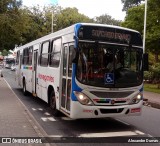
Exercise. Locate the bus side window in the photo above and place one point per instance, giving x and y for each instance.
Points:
(44, 54)
(39, 54)
(55, 53)
(30, 55)
(25, 56)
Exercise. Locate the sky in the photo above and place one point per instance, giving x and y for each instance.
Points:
(90, 8)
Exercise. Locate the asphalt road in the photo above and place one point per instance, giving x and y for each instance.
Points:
(146, 125)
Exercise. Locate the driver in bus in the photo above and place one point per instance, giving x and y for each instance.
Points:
(118, 64)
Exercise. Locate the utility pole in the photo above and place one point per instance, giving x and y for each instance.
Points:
(145, 22)
(52, 23)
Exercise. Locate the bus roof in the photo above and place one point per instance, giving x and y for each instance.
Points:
(72, 29)
(106, 25)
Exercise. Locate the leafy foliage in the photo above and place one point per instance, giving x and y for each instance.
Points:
(4, 52)
(153, 28)
(9, 16)
(20, 25)
(107, 19)
(130, 3)
(135, 18)
(69, 16)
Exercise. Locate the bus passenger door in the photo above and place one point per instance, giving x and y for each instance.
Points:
(34, 72)
(66, 80)
(19, 71)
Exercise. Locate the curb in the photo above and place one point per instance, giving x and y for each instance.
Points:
(154, 104)
(36, 126)
(151, 104)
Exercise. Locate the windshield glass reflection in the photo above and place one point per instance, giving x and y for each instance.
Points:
(109, 65)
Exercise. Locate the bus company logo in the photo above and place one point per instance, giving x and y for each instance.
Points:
(46, 78)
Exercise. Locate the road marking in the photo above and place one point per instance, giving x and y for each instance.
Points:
(47, 114)
(40, 109)
(67, 119)
(150, 135)
(34, 109)
(110, 134)
(46, 119)
(52, 119)
(55, 136)
(139, 132)
(122, 122)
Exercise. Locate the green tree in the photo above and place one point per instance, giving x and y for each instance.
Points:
(69, 16)
(107, 19)
(9, 17)
(33, 24)
(4, 52)
(130, 3)
(153, 28)
(9, 5)
(135, 18)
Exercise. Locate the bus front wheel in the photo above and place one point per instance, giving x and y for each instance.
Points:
(52, 98)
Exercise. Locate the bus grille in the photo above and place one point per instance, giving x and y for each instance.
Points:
(112, 94)
(111, 111)
(109, 102)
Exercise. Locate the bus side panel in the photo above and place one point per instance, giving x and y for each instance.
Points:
(42, 81)
(27, 72)
(38, 87)
(18, 70)
(54, 74)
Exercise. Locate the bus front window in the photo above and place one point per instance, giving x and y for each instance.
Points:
(100, 62)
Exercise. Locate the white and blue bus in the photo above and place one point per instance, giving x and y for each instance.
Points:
(85, 71)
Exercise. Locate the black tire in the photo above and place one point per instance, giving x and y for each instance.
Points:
(24, 88)
(52, 103)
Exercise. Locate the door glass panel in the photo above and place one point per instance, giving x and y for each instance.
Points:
(63, 92)
(68, 56)
(72, 54)
(68, 94)
(64, 61)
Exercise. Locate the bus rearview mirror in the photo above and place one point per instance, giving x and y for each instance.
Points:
(145, 62)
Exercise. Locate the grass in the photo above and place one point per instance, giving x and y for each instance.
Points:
(151, 88)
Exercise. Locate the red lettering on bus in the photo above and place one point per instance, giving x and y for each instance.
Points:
(46, 78)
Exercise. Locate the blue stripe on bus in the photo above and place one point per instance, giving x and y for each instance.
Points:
(75, 87)
(141, 90)
(76, 29)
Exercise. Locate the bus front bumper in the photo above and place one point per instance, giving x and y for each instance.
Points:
(82, 111)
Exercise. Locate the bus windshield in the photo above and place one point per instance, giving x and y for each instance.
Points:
(106, 65)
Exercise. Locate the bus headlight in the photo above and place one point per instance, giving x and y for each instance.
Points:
(82, 98)
(136, 99)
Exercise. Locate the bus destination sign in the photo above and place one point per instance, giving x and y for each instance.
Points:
(111, 35)
(108, 34)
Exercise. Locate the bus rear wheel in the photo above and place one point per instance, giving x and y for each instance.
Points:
(52, 102)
